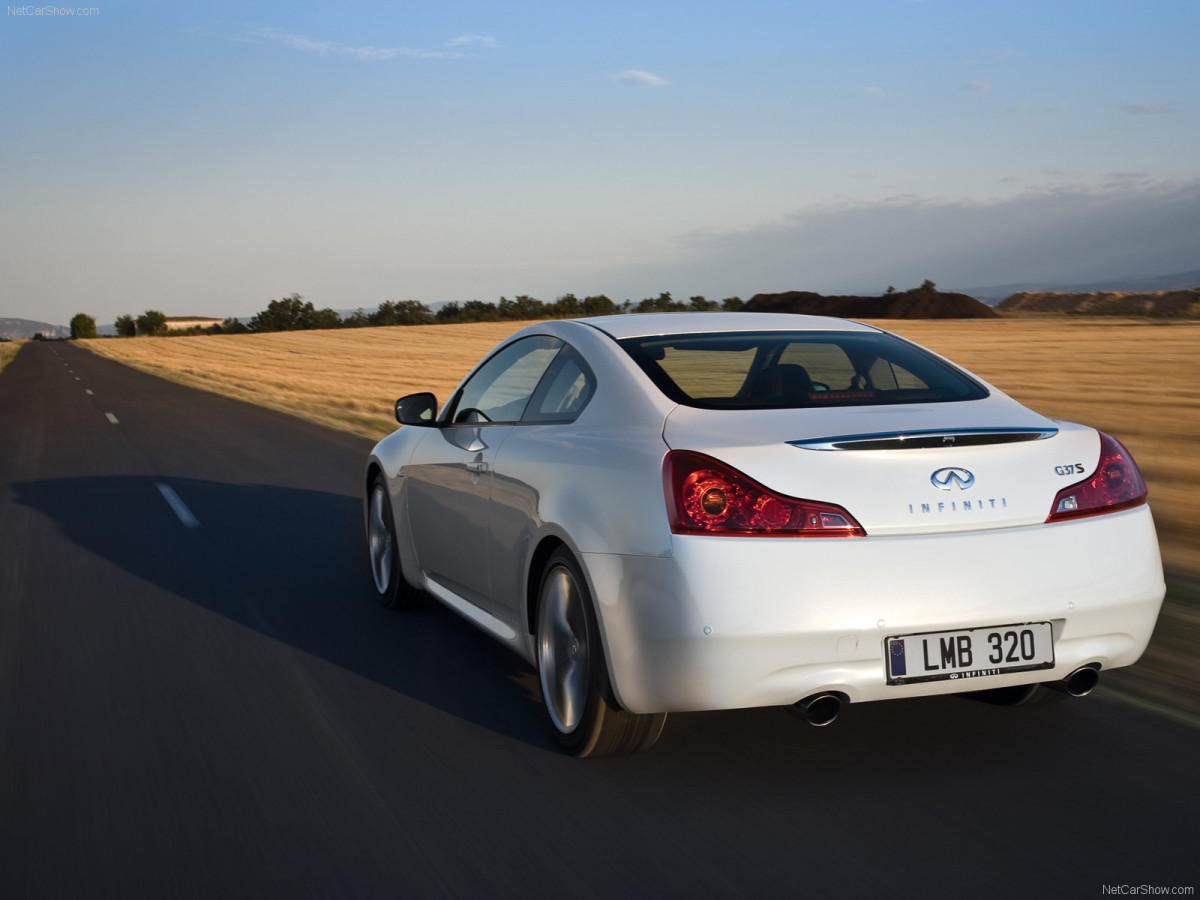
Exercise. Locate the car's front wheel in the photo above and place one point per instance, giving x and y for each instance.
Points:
(574, 678)
(390, 587)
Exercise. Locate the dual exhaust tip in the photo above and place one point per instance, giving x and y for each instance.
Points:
(822, 709)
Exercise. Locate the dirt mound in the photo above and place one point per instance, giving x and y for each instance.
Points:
(1171, 304)
(915, 304)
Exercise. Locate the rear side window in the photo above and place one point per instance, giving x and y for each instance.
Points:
(784, 370)
(565, 390)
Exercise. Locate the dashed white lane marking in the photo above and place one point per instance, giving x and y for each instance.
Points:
(89, 392)
(178, 506)
(111, 418)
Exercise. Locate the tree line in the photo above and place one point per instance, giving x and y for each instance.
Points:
(294, 313)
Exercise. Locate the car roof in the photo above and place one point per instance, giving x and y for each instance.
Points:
(648, 324)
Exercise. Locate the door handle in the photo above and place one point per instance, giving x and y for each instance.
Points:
(477, 466)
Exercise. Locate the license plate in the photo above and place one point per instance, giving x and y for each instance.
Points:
(969, 653)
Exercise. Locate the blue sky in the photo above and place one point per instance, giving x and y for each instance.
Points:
(202, 159)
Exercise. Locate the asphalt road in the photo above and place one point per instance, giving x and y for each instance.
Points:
(215, 706)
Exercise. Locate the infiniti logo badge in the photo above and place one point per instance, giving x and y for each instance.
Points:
(951, 477)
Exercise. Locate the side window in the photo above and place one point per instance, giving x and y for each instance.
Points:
(564, 391)
(500, 390)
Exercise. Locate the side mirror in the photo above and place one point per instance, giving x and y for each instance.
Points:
(417, 409)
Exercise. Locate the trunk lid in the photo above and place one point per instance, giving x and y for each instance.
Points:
(912, 469)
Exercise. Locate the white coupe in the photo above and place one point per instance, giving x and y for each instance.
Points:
(697, 511)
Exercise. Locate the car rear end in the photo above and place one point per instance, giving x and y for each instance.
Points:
(839, 538)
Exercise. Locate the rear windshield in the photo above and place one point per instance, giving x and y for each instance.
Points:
(783, 370)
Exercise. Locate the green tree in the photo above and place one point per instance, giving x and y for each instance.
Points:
(151, 322)
(82, 326)
(404, 312)
(233, 325)
(126, 326)
(699, 304)
(449, 312)
(414, 312)
(661, 303)
(522, 307)
(565, 307)
(326, 318)
(479, 311)
(293, 313)
(927, 287)
(385, 315)
(598, 305)
(732, 304)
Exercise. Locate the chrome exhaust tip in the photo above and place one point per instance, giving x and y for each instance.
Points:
(819, 709)
(1079, 683)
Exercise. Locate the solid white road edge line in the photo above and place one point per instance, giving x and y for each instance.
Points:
(178, 506)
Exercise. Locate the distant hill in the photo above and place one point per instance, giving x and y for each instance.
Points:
(1179, 282)
(16, 329)
(1167, 304)
(918, 303)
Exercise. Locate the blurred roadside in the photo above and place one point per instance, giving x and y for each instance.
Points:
(1167, 677)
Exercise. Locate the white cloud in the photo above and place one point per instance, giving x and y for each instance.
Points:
(874, 91)
(978, 87)
(485, 40)
(1148, 109)
(638, 78)
(332, 48)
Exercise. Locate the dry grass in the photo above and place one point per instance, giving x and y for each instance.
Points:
(346, 379)
(8, 349)
(1137, 379)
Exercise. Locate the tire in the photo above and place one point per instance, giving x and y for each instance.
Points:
(391, 589)
(574, 677)
(1017, 695)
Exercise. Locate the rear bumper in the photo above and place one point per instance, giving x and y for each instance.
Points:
(737, 622)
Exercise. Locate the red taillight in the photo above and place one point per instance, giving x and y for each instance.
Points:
(1116, 484)
(705, 496)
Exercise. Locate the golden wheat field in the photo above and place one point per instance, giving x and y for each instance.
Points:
(1136, 379)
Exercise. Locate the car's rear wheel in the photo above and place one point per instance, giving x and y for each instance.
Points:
(574, 678)
(390, 587)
